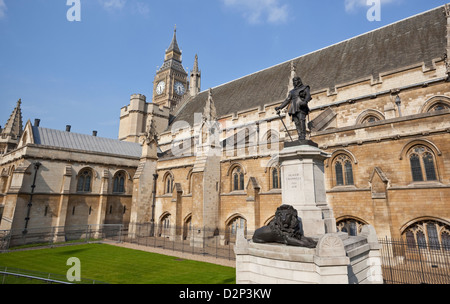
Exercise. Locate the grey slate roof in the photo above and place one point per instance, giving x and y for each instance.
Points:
(82, 142)
(172, 64)
(413, 41)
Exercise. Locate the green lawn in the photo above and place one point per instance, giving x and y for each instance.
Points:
(118, 265)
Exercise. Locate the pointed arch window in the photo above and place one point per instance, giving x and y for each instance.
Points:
(168, 184)
(84, 181)
(370, 119)
(271, 139)
(119, 183)
(351, 226)
(238, 179)
(343, 170)
(439, 106)
(428, 234)
(370, 116)
(348, 172)
(422, 163)
(276, 178)
(190, 182)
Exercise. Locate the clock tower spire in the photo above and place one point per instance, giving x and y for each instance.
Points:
(171, 79)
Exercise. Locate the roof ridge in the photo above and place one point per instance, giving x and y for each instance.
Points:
(82, 134)
(330, 46)
(340, 64)
(84, 142)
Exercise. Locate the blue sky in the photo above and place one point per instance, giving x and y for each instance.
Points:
(82, 73)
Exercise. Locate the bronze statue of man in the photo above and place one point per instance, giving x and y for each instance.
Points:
(298, 99)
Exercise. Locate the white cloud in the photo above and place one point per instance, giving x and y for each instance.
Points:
(134, 6)
(3, 9)
(113, 4)
(142, 8)
(353, 5)
(257, 11)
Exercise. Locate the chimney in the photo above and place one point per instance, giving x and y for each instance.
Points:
(37, 122)
(68, 128)
(94, 133)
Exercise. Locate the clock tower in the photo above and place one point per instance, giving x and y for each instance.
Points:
(171, 80)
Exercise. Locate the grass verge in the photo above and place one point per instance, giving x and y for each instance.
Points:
(116, 265)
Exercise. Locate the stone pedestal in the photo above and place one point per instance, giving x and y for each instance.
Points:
(337, 259)
(303, 186)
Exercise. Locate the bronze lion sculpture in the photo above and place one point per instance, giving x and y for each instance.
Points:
(285, 228)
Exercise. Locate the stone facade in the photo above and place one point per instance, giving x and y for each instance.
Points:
(60, 197)
(380, 109)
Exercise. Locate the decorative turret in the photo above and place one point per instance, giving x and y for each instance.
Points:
(210, 112)
(210, 126)
(10, 134)
(195, 83)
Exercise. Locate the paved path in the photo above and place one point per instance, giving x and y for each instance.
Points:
(183, 255)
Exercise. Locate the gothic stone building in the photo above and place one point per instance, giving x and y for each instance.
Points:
(380, 108)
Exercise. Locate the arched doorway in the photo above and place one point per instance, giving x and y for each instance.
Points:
(187, 227)
(164, 225)
(236, 223)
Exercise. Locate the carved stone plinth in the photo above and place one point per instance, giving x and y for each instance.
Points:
(303, 187)
(337, 259)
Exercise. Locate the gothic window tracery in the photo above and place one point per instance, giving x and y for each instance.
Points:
(370, 119)
(436, 104)
(238, 179)
(343, 170)
(351, 226)
(276, 177)
(84, 181)
(430, 234)
(369, 116)
(440, 106)
(422, 161)
(119, 183)
(168, 184)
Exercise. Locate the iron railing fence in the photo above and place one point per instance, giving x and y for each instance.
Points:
(16, 239)
(402, 262)
(10, 275)
(407, 263)
(201, 241)
(194, 240)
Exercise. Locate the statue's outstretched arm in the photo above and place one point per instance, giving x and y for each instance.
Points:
(285, 103)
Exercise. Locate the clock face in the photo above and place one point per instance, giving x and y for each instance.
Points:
(160, 87)
(179, 88)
